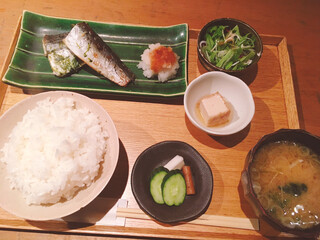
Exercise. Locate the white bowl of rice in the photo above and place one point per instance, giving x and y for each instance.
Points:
(58, 151)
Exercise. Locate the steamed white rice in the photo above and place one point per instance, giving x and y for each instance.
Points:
(167, 72)
(54, 151)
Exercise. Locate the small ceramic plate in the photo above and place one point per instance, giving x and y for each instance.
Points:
(158, 155)
(29, 68)
(236, 93)
(13, 201)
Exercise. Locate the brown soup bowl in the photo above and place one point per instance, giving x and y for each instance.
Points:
(291, 135)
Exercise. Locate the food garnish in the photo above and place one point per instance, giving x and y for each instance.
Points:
(226, 48)
(160, 61)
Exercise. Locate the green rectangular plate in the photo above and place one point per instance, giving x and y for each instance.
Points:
(30, 69)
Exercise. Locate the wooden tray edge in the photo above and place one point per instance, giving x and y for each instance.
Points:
(6, 63)
(288, 87)
(135, 232)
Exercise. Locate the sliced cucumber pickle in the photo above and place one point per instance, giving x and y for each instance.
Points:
(174, 188)
(157, 176)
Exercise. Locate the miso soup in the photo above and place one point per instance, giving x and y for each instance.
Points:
(286, 180)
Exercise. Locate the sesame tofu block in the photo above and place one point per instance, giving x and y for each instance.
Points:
(214, 110)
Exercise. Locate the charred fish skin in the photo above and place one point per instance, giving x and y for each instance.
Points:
(62, 61)
(90, 48)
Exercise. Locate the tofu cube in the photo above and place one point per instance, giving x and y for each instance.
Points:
(214, 110)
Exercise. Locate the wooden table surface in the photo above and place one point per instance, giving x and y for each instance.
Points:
(298, 21)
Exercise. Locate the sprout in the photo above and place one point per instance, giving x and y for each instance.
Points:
(227, 49)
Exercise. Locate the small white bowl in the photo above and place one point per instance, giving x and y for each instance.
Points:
(233, 89)
(12, 200)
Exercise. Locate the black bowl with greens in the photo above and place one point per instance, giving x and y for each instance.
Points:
(229, 45)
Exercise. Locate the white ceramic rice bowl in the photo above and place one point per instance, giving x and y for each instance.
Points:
(13, 201)
(233, 89)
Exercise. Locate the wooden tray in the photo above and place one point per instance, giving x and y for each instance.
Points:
(143, 123)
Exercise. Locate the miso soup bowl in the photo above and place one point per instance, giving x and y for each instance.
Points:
(294, 135)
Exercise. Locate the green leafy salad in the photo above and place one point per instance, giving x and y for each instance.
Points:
(227, 49)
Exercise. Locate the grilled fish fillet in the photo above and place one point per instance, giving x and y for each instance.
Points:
(89, 47)
(62, 61)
